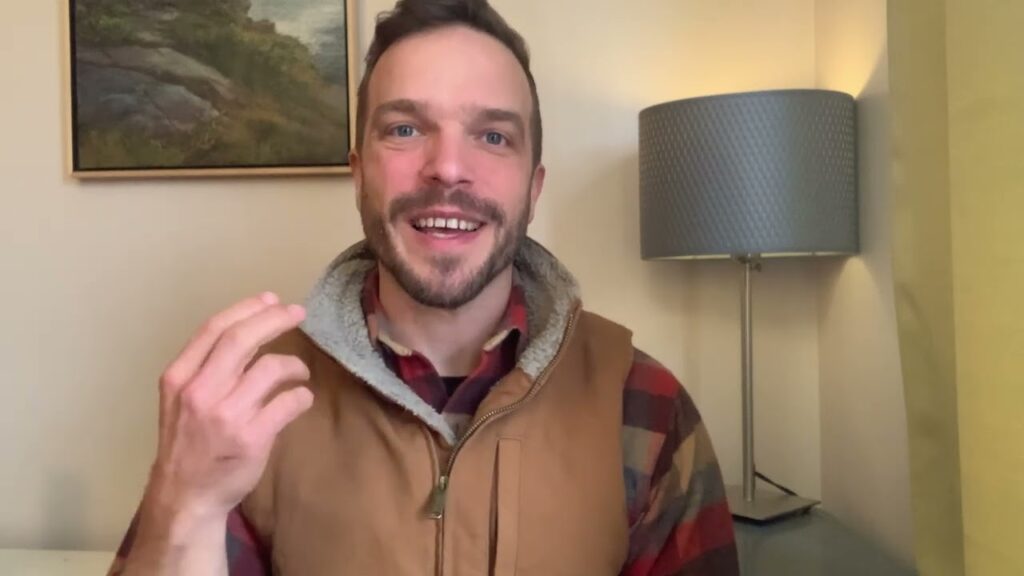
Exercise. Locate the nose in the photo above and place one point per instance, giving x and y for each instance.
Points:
(447, 161)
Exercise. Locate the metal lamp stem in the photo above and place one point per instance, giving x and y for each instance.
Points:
(744, 501)
(750, 265)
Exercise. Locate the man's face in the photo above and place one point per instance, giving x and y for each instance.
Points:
(444, 178)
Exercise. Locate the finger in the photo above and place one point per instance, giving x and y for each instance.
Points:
(239, 344)
(268, 373)
(191, 358)
(281, 411)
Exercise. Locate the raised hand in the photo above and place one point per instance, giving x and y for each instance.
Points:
(219, 415)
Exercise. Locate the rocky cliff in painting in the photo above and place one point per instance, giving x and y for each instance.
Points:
(199, 83)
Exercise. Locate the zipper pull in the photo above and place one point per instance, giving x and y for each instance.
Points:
(438, 498)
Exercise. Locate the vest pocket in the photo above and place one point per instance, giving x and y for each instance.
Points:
(507, 509)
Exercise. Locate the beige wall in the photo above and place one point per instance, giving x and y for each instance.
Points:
(104, 281)
(865, 462)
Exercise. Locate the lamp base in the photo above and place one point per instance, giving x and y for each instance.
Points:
(766, 506)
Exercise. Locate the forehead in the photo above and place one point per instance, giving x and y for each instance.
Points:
(451, 69)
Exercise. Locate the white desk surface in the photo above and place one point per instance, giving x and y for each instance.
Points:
(54, 563)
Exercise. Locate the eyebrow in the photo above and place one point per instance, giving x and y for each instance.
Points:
(399, 106)
(480, 114)
(500, 115)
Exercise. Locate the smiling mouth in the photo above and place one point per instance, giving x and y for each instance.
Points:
(445, 226)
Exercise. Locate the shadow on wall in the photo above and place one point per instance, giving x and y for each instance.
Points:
(865, 458)
(873, 185)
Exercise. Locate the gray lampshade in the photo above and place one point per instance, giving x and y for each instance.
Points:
(771, 173)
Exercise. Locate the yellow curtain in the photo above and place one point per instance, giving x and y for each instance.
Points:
(957, 81)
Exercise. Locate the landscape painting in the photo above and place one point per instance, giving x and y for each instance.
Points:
(200, 87)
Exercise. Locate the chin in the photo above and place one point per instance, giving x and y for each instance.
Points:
(447, 290)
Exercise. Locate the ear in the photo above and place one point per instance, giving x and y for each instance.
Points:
(357, 177)
(536, 187)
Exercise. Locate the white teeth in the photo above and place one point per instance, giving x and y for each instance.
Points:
(446, 224)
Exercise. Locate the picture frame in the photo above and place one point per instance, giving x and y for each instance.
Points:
(204, 88)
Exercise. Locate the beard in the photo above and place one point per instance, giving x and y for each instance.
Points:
(449, 285)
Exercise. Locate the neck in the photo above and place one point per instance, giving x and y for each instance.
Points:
(451, 339)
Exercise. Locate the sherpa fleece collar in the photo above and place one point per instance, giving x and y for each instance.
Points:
(334, 320)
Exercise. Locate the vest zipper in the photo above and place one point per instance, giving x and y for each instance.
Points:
(439, 496)
(436, 501)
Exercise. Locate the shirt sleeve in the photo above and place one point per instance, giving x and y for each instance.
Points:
(680, 524)
(247, 556)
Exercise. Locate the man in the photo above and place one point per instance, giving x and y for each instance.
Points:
(442, 405)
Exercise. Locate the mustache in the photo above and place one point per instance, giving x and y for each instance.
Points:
(432, 196)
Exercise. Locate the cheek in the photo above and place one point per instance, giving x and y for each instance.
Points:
(391, 175)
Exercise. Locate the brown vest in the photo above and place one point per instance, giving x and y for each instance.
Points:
(535, 489)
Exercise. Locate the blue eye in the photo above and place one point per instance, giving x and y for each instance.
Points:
(494, 138)
(404, 131)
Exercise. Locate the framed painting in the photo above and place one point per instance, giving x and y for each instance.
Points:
(209, 87)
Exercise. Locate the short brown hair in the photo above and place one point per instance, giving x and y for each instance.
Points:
(411, 17)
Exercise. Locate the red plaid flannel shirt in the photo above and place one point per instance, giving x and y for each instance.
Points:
(676, 529)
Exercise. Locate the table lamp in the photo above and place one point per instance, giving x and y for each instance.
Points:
(750, 176)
